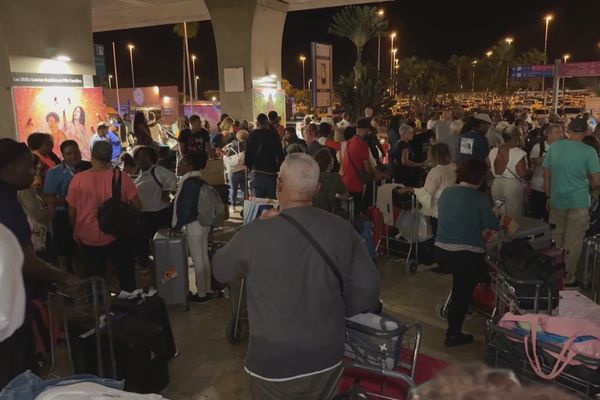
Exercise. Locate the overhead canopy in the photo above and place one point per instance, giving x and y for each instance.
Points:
(110, 15)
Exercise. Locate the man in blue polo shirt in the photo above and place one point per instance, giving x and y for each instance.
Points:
(55, 190)
(106, 133)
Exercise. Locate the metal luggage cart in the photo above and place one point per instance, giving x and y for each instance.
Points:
(502, 357)
(376, 361)
(237, 328)
(507, 300)
(505, 297)
(89, 300)
(412, 251)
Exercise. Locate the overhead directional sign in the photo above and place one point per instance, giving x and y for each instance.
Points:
(532, 71)
(591, 68)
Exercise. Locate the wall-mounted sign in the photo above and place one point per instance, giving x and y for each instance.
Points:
(40, 80)
(321, 74)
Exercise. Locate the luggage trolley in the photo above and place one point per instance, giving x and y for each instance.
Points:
(91, 304)
(408, 246)
(237, 327)
(506, 351)
(383, 347)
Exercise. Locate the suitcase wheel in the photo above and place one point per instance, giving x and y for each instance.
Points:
(411, 266)
(235, 334)
(441, 311)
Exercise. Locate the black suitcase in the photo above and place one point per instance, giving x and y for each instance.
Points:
(139, 349)
(151, 309)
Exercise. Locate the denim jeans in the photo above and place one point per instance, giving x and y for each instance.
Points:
(265, 185)
(28, 385)
(237, 181)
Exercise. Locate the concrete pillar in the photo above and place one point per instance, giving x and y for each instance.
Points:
(248, 34)
(32, 33)
(7, 118)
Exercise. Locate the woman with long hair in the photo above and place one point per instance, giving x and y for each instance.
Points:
(141, 130)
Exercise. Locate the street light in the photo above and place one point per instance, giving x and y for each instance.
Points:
(489, 53)
(392, 36)
(131, 47)
(109, 81)
(547, 18)
(509, 41)
(565, 59)
(302, 59)
(196, 80)
(474, 63)
(380, 14)
(195, 93)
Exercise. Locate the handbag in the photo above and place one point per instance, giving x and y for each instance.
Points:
(115, 217)
(234, 162)
(363, 175)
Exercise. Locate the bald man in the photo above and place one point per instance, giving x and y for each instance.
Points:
(297, 297)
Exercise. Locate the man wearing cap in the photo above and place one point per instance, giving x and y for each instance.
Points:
(570, 167)
(474, 144)
(356, 164)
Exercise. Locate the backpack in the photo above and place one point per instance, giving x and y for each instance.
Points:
(211, 210)
(115, 217)
(534, 137)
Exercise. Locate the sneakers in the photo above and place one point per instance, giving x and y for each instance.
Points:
(194, 298)
(458, 340)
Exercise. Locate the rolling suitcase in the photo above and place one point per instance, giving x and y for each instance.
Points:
(171, 261)
(591, 259)
(152, 309)
(537, 232)
(215, 285)
(139, 347)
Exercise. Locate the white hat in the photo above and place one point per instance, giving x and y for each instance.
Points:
(483, 117)
(327, 120)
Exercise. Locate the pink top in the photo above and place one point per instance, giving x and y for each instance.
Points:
(87, 191)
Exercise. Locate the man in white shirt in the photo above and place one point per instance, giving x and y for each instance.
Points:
(537, 201)
(346, 121)
(14, 335)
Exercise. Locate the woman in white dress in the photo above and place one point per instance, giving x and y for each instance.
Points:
(508, 164)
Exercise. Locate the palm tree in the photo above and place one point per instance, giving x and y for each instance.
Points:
(192, 32)
(359, 24)
(531, 57)
(459, 64)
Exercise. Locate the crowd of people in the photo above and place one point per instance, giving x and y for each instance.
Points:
(300, 291)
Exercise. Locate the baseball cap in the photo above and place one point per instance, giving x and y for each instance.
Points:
(483, 117)
(364, 123)
(578, 125)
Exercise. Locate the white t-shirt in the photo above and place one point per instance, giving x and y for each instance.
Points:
(514, 156)
(150, 192)
(537, 179)
(12, 290)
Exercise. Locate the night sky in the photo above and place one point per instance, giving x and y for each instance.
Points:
(426, 29)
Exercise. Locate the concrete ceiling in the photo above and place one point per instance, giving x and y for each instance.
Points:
(110, 15)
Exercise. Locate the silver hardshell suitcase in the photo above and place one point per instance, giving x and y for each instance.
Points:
(171, 260)
(537, 232)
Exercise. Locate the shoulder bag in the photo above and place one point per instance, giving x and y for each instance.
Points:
(363, 175)
(318, 248)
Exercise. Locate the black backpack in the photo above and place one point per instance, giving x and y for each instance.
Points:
(116, 218)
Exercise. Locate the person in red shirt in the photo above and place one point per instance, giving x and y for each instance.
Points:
(87, 191)
(356, 163)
